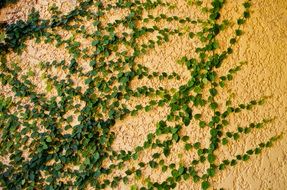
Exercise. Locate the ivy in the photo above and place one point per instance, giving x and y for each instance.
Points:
(105, 95)
(4, 3)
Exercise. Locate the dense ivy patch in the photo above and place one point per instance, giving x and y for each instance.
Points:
(3, 3)
(59, 159)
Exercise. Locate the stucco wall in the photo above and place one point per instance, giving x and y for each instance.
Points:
(263, 46)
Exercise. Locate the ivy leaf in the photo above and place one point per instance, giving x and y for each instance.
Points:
(205, 185)
(191, 35)
(48, 139)
(58, 166)
(211, 158)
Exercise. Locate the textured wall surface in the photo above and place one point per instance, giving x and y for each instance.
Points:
(263, 46)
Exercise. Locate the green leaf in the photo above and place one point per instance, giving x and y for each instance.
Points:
(224, 141)
(128, 172)
(96, 156)
(197, 116)
(246, 14)
(164, 168)
(202, 124)
(87, 161)
(185, 138)
(247, 5)
(197, 89)
(196, 145)
(205, 185)
(138, 173)
(93, 63)
(211, 172)
(245, 157)
(191, 35)
(58, 166)
(213, 132)
(96, 42)
(213, 91)
(175, 137)
(213, 105)
(211, 158)
(236, 136)
(49, 179)
(240, 21)
(69, 119)
(174, 173)
(48, 139)
(155, 155)
(181, 170)
(188, 146)
(238, 32)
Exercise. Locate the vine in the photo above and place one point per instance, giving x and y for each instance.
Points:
(4, 3)
(63, 154)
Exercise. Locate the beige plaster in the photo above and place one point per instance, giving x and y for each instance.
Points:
(263, 46)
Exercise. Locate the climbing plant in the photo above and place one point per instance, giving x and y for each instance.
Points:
(3, 3)
(62, 137)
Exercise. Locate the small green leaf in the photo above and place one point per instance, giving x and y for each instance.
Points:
(188, 146)
(213, 105)
(191, 35)
(48, 139)
(205, 185)
(211, 158)
(224, 141)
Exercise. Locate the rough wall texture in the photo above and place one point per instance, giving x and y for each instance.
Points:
(263, 46)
